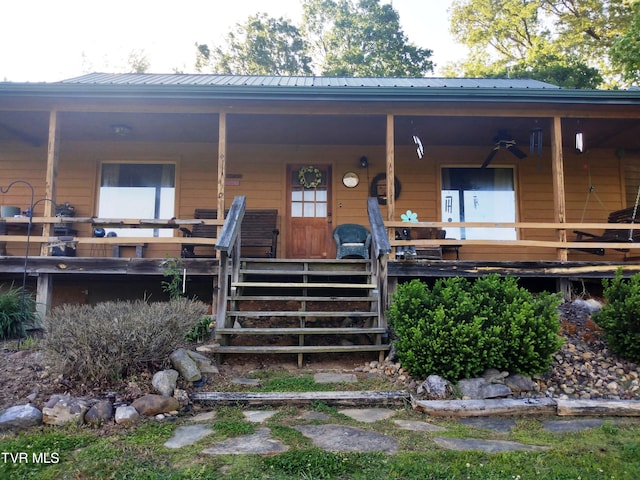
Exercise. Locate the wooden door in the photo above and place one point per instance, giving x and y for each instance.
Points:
(309, 225)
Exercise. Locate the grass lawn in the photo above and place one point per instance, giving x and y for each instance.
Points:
(611, 451)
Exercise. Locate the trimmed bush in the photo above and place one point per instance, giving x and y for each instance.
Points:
(112, 340)
(458, 328)
(620, 316)
(14, 316)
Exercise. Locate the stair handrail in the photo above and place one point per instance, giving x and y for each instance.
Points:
(380, 250)
(379, 239)
(229, 247)
(231, 227)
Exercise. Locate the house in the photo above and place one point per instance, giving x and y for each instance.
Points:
(500, 172)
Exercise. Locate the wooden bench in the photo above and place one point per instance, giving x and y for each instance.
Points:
(259, 233)
(424, 252)
(631, 235)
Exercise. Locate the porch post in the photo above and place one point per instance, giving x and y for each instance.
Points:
(45, 284)
(391, 194)
(222, 158)
(557, 168)
(51, 175)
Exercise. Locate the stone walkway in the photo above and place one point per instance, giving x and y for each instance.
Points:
(323, 432)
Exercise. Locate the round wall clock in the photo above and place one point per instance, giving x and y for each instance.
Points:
(350, 179)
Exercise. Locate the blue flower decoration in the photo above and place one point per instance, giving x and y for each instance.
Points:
(409, 216)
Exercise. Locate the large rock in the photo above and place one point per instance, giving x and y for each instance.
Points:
(165, 382)
(20, 416)
(479, 389)
(520, 383)
(185, 365)
(100, 412)
(150, 405)
(126, 415)
(63, 409)
(435, 388)
(204, 363)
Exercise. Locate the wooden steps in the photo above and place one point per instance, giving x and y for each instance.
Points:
(296, 331)
(302, 307)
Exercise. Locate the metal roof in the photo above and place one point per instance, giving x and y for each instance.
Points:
(300, 81)
(256, 88)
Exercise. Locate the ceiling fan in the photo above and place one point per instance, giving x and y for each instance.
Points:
(503, 140)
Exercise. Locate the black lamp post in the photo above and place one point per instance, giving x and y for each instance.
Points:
(26, 253)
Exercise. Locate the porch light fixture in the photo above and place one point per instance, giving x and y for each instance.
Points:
(121, 130)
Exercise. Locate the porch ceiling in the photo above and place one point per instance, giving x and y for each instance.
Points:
(31, 128)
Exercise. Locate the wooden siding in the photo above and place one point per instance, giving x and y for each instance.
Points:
(259, 172)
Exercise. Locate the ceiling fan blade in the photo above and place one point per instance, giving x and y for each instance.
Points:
(516, 151)
(490, 157)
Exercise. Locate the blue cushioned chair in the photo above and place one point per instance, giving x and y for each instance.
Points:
(352, 241)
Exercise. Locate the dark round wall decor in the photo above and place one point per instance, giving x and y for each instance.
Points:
(379, 188)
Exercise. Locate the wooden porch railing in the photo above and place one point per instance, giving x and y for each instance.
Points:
(380, 249)
(14, 230)
(550, 244)
(229, 247)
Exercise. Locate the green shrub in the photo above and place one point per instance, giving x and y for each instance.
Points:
(113, 340)
(458, 328)
(620, 316)
(15, 316)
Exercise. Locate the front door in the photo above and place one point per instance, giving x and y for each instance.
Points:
(309, 212)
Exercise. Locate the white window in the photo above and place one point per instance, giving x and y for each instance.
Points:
(479, 195)
(137, 190)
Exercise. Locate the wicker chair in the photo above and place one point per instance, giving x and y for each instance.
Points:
(352, 241)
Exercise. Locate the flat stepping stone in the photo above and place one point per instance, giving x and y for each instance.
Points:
(500, 425)
(560, 426)
(323, 417)
(329, 377)
(188, 435)
(259, 443)
(417, 426)
(204, 417)
(258, 416)
(368, 415)
(487, 446)
(340, 438)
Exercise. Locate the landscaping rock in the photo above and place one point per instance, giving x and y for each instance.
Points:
(20, 416)
(165, 382)
(435, 388)
(63, 409)
(204, 363)
(126, 415)
(479, 388)
(100, 412)
(520, 383)
(151, 404)
(182, 397)
(185, 365)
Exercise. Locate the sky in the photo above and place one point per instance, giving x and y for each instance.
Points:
(51, 40)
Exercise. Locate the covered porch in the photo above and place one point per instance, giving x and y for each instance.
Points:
(315, 150)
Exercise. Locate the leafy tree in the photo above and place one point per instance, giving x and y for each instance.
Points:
(361, 38)
(337, 37)
(625, 51)
(566, 42)
(260, 46)
(137, 62)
